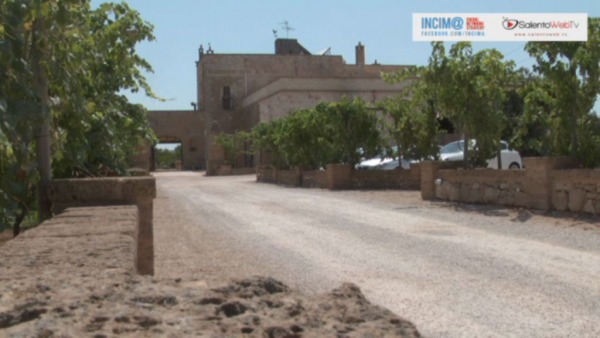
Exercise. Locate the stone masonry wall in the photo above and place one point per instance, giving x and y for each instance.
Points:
(356, 179)
(387, 179)
(546, 183)
(576, 190)
(314, 179)
(483, 186)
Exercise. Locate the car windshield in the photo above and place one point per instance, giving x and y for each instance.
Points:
(452, 147)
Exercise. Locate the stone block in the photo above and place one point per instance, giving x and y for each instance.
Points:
(441, 191)
(560, 200)
(474, 194)
(104, 190)
(454, 193)
(589, 207)
(562, 185)
(490, 194)
(429, 173)
(521, 199)
(464, 192)
(576, 199)
(339, 176)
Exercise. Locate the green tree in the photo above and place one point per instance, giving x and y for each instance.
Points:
(355, 128)
(166, 158)
(566, 93)
(263, 137)
(63, 67)
(336, 132)
(413, 125)
(469, 89)
(233, 145)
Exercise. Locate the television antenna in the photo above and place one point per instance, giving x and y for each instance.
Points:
(286, 27)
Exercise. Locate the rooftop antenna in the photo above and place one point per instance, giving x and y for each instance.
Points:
(286, 27)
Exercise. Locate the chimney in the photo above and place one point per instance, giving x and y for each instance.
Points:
(360, 54)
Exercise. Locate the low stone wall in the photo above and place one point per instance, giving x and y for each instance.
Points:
(483, 186)
(388, 179)
(266, 175)
(290, 178)
(227, 170)
(243, 171)
(546, 183)
(337, 177)
(138, 191)
(314, 179)
(576, 190)
(74, 276)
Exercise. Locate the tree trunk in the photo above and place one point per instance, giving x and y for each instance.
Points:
(38, 46)
(466, 157)
(18, 221)
(499, 157)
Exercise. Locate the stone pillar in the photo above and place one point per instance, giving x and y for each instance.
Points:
(538, 185)
(429, 171)
(339, 176)
(144, 259)
(216, 158)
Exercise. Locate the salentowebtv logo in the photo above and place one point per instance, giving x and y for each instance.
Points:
(511, 24)
(500, 26)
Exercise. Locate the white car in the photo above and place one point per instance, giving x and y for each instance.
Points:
(511, 159)
(384, 162)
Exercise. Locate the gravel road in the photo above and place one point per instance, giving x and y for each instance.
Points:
(454, 270)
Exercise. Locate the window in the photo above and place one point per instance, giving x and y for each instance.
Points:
(227, 104)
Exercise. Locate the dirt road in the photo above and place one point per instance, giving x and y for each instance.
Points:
(455, 271)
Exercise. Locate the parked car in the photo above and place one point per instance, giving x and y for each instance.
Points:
(384, 161)
(511, 159)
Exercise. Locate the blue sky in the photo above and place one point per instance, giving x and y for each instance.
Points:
(242, 26)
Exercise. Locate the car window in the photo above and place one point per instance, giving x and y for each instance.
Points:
(452, 147)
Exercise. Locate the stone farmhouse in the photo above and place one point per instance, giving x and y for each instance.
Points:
(238, 91)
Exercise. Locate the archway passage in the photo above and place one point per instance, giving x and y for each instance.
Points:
(168, 154)
(182, 127)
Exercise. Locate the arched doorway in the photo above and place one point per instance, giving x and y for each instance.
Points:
(167, 154)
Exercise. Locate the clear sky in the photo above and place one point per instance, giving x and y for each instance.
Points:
(243, 26)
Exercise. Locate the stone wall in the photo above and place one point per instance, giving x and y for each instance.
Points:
(546, 183)
(337, 177)
(290, 178)
(483, 186)
(314, 179)
(576, 190)
(388, 179)
(138, 191)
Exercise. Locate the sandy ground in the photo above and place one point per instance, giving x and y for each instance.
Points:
(454, 270)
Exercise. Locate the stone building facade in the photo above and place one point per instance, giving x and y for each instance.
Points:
(237, 91)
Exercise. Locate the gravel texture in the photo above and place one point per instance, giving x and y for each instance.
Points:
(454, 270)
